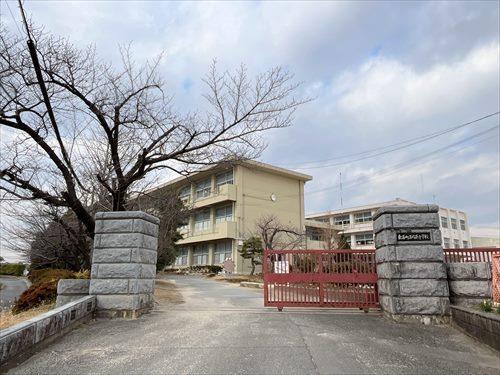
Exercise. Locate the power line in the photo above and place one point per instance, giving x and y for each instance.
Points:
(395, 168)
(402, 144)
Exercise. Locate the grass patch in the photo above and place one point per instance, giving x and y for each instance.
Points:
(8, 319)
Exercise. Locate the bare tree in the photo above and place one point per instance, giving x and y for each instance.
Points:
(276, 235)
(83, 126)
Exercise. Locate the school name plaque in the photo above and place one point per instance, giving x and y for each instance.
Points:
(408, 237)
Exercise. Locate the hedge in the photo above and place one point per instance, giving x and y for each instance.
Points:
(12, 269)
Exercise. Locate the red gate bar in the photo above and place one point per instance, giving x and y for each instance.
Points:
(470, 255)
(320, 278)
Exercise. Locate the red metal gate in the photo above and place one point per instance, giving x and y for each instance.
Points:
(320, 278)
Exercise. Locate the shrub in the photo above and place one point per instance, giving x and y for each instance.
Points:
(486, 306)
(206, 269)
(497, 310)
(49, 274)
(35, 295)
(44, 287)
(13, 269)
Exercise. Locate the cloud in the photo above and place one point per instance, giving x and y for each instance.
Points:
(387, 91)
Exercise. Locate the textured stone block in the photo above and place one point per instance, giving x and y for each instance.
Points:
(417, 208)
(411, 270)
(469, 271)
(111, 255)
(382, 222)
(141, 286)
(73, 286)
(127, 215)
(63, 299)
(409, 253)
(114, 226)
(148, 271)
(109, 286)
(145, 256)
(16, 340)
(119, 271)
(124, 302)
(415, 220)
(145, 227)
(418, 305)
(120, 240)
(413, 287)
(470, 288)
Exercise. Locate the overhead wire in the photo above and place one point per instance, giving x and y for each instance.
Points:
(392, 148)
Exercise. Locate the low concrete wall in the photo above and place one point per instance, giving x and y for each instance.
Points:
(69, 290)
(23, 337)
(483, 326)
(469, 283)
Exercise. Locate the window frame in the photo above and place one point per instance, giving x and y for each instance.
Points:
(200, 251)
(444, 224)
(343, 222)
(456, 243)
(367, 239)
(228, 249)
(463, 227)
(453, 223)
(221, 179)
(203, 189)
(208, 220)
(363, 217)
(225, 217)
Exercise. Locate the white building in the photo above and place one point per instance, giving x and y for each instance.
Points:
(356, 225)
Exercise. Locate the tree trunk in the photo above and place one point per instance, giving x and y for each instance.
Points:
(253, 267)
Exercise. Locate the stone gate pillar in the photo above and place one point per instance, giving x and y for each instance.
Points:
(412, 279)
(124, 263)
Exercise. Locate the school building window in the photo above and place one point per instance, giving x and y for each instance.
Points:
(224, 179)
(223, 251)
(363, 217)
(453, 223)
(364, 239)
(462, 225)
(182, 258)
(203, 188)
(202, 221)
(200, 255)
(444, 222)
(224, 214)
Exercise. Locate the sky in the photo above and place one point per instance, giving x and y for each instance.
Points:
(380, 73)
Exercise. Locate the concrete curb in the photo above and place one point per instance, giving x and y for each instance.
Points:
(248, 284)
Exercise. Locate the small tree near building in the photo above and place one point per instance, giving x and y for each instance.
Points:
(252, 249)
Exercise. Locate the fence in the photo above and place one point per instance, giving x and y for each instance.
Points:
(470, 255)
(320, 278)
(496, 278)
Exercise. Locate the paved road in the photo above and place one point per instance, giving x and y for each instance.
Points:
(222, 328)
(12, 289)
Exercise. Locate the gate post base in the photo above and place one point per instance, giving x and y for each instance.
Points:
(412, 279)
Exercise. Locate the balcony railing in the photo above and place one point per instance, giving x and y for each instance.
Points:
(227, 229)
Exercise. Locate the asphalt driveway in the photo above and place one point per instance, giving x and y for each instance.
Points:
(205, 326)
(13, 287)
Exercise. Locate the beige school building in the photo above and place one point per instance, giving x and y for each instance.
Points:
(227, 201)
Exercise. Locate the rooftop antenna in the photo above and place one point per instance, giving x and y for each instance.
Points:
(340, 185)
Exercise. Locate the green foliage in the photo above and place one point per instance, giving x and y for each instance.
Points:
(12, 269)
(486, 306)
(497, 310)
(252, 249)
(44, 287)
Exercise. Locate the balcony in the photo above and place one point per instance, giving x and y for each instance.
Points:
(222, 194)
(221, 231)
